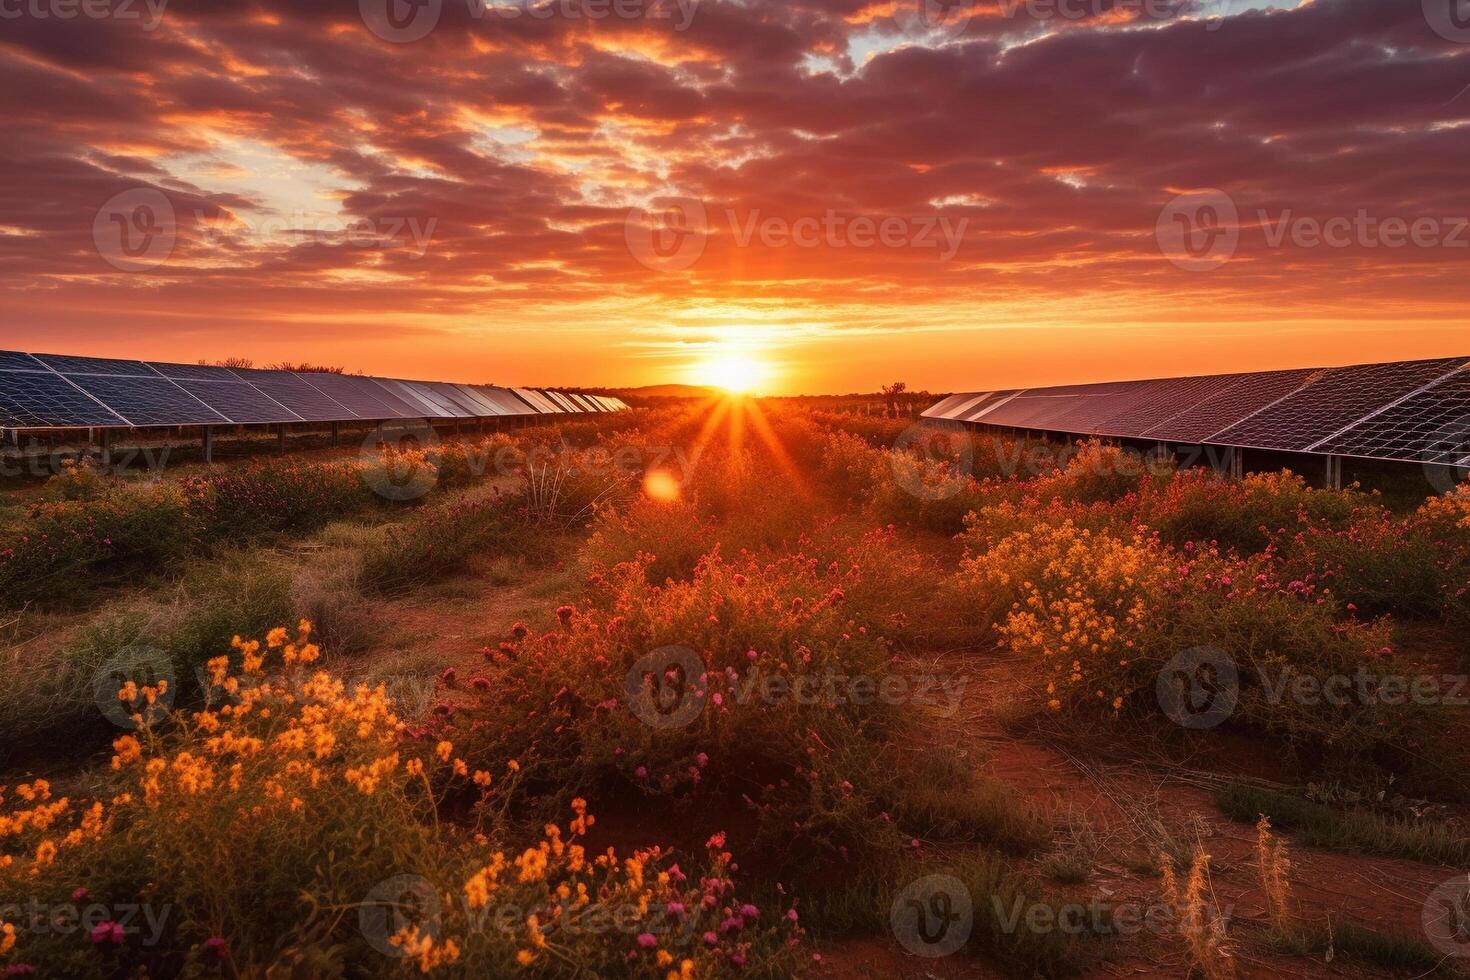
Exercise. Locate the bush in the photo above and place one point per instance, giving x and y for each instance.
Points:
(132, 527)
(763, 651)
(288, 827)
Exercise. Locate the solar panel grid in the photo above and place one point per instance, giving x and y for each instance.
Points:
(147, 400)
(1249, 393)
(424, 406)
(1151, 403)
(340, 389)
(67, 364)
(198, 372)
(11, 360)
(290, 390)
(45, 400)
(562, 402)
(964, 404)
(444, 396)
(1431, 426)
(486, 408)
(945, 406)
(1332, 403)
(239, 402)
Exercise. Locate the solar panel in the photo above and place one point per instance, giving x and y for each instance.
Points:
(458, 403)
(538, 401)
(291, 391)
(486, 408)
(991, 400)
(425, 407)
(1150, 403)
(197, 372)
(507, 400)
(1431, 426)
(942, 409)
(66, 364)
(15, 361)
(43, 400)
(1333, 402)
(1248, 394)
(403, 408)
(351, 393)
(147, 401)
(958, 405)
(238, 401)
(559, 399)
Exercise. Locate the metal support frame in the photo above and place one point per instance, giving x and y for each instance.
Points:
(104, 444)
(1237, 462)
(336, 434)
(209, 444)
(281, 436)
(1334, 473)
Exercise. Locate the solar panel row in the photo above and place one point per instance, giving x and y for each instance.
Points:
(40, 391)
(1407, 411)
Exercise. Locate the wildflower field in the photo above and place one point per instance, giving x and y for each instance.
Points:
(731, 689)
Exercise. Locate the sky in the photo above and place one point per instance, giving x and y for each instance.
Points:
(835, 194)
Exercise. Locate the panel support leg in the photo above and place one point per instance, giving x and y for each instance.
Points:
(336, 434)
(1237, 463)
(1334, 472)
(105, 447)
(281, 437)
(209, 444)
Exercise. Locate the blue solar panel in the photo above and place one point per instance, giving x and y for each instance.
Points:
(364, 401)
(15, 361)
(307, 402)
(43, 400)
(197, 372)
(66, 364)
(238, 401)
(147, 401)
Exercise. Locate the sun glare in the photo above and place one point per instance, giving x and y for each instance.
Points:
(734, 373)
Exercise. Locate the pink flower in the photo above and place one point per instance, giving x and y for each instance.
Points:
(641, 772)
(710, 939)
(107, 932)
(676, 908)
(791, 916)
(647, 940)
(701, 760)
(80, 895)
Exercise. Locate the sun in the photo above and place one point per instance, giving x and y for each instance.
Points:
(736, 374)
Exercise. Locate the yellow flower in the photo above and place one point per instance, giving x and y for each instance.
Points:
(444, 750)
